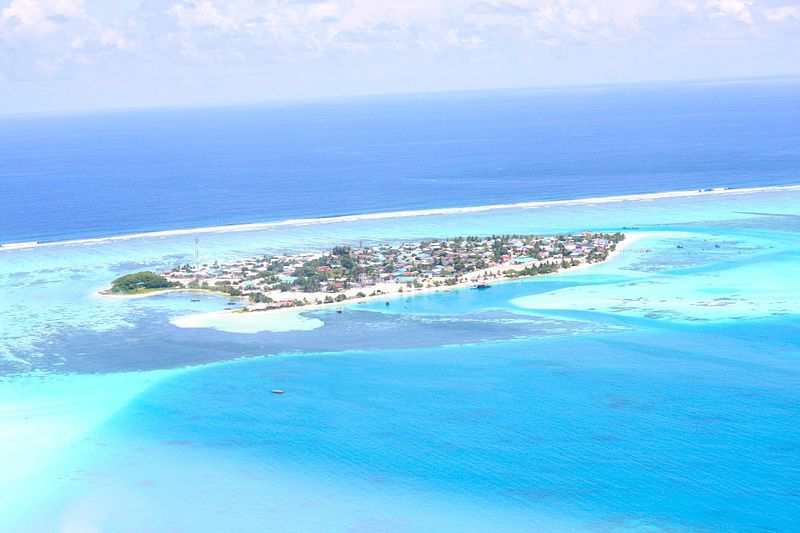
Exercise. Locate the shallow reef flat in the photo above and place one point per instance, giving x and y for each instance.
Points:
(694, 277)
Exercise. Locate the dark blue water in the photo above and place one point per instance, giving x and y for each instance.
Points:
(78, 176)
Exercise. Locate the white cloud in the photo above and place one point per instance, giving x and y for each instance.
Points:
(736, 9)
(782, 13)
(113, 38)
(252, 34)
(201, 14)
(51, 37)
(41, 15)
(27, 15)
(69, 8)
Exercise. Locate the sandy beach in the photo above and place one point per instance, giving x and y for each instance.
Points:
(105, 292)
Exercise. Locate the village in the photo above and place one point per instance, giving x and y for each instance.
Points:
(346, 273)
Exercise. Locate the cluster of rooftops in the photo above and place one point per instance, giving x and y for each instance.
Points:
(283, 280)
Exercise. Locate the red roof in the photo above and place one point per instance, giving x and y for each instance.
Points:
(323, 268)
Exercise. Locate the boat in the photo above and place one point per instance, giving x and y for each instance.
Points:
(277, 391)
(481, 286)
(339, 310)
(195, 299)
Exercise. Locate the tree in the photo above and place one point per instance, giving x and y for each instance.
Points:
(140, 281)
(258, 298)
(311, 284)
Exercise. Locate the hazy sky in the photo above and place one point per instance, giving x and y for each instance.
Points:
(81, 54)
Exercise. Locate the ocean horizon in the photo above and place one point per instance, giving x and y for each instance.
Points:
(90, 175)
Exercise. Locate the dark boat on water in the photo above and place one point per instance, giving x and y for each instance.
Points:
(481, 286)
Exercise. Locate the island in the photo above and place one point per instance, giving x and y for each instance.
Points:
(346, 273)
(141, 282)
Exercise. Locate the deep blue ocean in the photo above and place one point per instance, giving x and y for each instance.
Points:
(654, 393)
(89, 175)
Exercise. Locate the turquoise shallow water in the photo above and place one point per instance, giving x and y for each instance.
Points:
(653, 393)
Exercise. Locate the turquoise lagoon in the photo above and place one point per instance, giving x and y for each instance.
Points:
(656, 392)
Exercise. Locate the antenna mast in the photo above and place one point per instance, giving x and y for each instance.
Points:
(197, 258)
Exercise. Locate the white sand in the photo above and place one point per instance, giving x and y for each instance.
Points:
(277, 320)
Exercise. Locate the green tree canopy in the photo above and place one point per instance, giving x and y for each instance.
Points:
(140, 281)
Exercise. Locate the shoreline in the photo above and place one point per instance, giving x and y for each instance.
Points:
(400, 214)
(106, 293)
(199, 320)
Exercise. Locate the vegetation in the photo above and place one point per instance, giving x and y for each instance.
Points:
(259, 297)
(225, 287)
(328, 276)
(140, 282)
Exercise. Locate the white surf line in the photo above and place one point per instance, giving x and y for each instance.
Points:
(402, 214)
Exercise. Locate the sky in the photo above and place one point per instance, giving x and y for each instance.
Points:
(70, 55)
